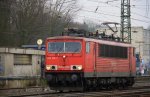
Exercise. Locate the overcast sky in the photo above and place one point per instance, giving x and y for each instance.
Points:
(109, 10)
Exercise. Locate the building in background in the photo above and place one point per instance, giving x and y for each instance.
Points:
(15, 62)
(146, 49)
(20, 67)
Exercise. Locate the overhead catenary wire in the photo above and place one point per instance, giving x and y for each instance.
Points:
(116, 16)
(97, 19)
(131, 13)
(120, 7)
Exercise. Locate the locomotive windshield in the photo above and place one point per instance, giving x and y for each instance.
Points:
(64, 47)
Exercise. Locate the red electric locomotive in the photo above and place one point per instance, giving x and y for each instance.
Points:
(75, 63)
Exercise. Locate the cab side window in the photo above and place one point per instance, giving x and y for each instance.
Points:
(87, 47)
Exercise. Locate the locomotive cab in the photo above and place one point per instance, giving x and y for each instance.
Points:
(64, 62)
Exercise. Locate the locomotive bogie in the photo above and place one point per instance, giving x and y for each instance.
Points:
(108, 83)
(65, 81)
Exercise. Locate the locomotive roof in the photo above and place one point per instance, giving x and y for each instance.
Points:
(101, 41)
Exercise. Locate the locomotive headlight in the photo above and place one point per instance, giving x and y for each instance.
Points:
(79, 67)
(51, 67)
(76, 67)
(48, 67)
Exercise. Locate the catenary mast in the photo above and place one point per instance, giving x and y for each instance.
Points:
(125, 21)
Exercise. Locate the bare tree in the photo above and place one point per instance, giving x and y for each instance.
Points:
(5, 22)
(4, 15)
(27, 19)
(61, 13)
(31, 19)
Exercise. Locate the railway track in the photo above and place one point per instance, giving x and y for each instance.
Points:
(131, 92)
(21, 91)
(142, 78)
(114, 93)
(141, 87)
